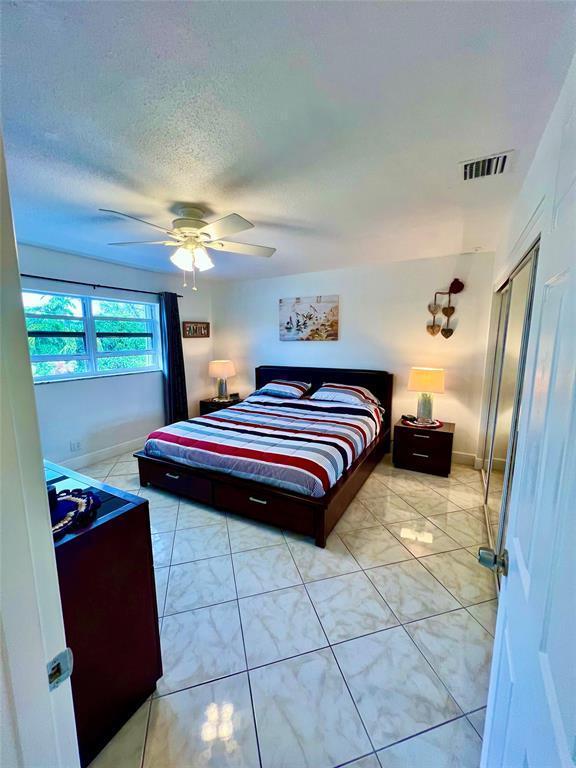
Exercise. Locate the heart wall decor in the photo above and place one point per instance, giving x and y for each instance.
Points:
(435, 308)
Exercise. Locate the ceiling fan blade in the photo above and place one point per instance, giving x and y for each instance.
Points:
(228, 225)
(134, 218)
(244, 248)
(148, 242)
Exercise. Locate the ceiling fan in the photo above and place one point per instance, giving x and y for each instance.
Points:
(193, 238)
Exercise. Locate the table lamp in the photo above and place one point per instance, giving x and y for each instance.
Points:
(426, 381)
(221, 370)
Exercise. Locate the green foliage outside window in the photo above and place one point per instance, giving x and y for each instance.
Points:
(82, 318)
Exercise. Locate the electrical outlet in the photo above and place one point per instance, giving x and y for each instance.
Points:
(75, 446)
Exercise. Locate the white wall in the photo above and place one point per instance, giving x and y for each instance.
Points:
(383, 314)
(103, 413)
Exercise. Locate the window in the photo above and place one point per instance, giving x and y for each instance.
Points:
(77, 336)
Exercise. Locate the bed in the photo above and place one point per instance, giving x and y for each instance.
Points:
(296, 464)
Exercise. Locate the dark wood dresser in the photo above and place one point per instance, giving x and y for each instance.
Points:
(108, 597)
(423, 450)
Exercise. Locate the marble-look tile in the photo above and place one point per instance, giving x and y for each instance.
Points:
(200, 543)
(200, 583)
(463, 496)
(200, 645)
(464, 528)
(128, 467)
(370, 761)
(391, 509)
(411, 591)
(127, 746)
(396, 691)
(193, 515)
(265, 569)
(437, 483)
(158, 498)
(464, 473)
(349, 606)
(304, 714)
(279, 624)
(429, 502)
(373, 488)
(161, 580)
(485, 613)
(404, 485)
(98, 470)
(163, 519)
(355, 517)
(478, 721)
(462, 576)
(421, 537)
(453, 745)
(125, 482)
(375, 546)
(316, 563)
(460, 651)
(162, 548)
(210, 726)
(245, 534)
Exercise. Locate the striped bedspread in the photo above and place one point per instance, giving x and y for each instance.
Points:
(299, 445)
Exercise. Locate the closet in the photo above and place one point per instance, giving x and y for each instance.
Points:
(509, 327)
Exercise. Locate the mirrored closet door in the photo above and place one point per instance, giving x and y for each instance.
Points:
(509, 336)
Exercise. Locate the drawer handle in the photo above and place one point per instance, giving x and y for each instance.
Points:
(258, 501)
(172, 477)
(421, 455)
(424, 437)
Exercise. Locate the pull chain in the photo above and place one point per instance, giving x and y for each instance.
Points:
(184, 283)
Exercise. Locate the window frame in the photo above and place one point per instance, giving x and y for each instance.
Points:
(91, 354)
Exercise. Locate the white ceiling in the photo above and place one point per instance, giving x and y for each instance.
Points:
(336, 127)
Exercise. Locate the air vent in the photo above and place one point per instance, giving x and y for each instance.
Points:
(493, 165)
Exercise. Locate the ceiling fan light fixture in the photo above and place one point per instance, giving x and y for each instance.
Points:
(190, 258)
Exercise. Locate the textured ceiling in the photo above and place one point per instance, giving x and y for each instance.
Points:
(336, 127)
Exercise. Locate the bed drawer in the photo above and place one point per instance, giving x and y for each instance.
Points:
(171, 478)
(264, 506)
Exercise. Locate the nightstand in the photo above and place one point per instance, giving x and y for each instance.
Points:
(210, 406)
(423, 450)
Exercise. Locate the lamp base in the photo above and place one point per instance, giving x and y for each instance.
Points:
(424, 412)
(222, 396)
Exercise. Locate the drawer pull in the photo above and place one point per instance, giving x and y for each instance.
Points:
(172, 477)
(421, 455)
(424, 437)
(258, 501)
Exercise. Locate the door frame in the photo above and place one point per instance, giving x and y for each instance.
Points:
(41, 725)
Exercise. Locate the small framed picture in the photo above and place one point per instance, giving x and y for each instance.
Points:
(192, 329)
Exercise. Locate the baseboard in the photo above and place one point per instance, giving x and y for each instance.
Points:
(77, 462)
(459, 457)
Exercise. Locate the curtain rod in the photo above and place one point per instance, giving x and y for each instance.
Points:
(95, 285)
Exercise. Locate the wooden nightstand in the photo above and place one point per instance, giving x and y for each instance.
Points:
(210, 406)
(423, 450)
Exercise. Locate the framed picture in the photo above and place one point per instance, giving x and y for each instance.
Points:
(192, 329)
(309, 318)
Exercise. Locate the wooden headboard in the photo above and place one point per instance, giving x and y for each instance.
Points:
(378, 382)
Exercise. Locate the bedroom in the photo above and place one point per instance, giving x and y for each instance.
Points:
(331, 613)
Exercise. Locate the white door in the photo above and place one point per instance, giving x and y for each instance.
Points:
(531, 718)
(36, 726)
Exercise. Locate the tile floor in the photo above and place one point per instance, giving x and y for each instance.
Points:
(372, 653)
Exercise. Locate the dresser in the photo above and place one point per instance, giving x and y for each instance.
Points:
(106, 578)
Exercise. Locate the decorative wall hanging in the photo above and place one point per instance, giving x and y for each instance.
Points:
(192, 329)
(456, 286)
(309, 318)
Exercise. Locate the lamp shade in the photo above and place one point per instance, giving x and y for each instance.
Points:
(221, 369)
(426, 380)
